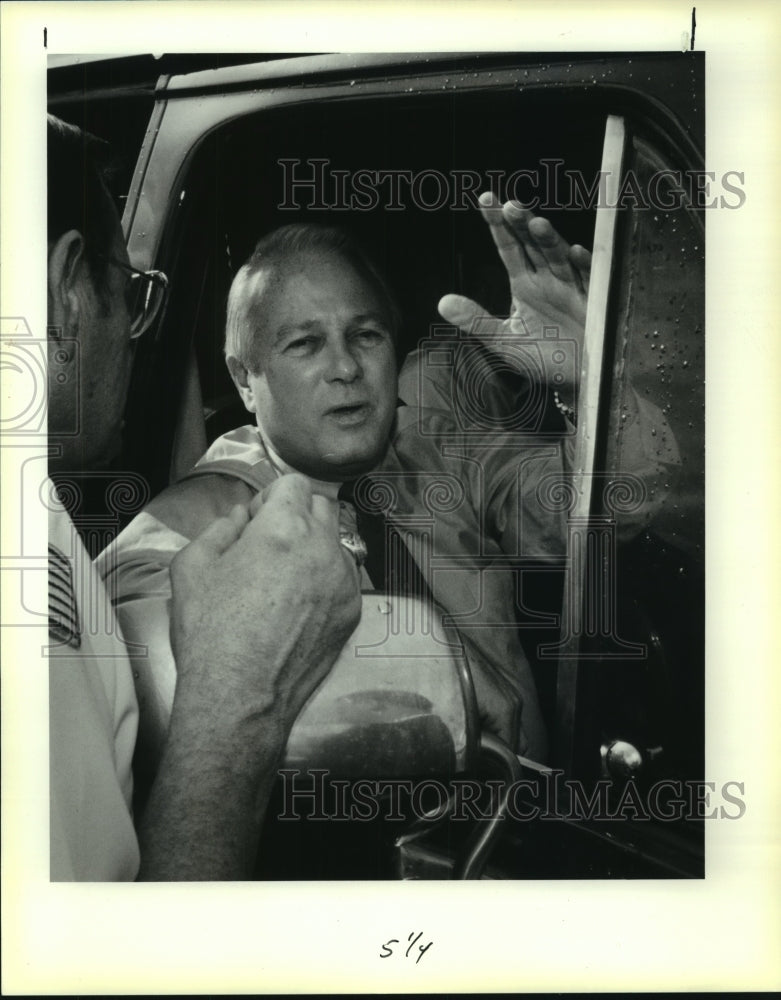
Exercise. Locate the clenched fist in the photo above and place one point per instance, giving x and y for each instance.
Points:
(263, 602)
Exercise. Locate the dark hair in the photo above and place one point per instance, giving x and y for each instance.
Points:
(277, 249)
(78, 197)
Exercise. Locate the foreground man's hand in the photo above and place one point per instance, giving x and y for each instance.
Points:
(263, 602)
(549, 286)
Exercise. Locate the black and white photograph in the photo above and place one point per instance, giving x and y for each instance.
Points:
(366, 445)
(526, 506)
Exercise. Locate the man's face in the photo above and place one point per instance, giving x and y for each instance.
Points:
(325, 391)
(92, 395)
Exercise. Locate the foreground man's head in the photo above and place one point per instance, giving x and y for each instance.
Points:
(88, 315)
(310, 344)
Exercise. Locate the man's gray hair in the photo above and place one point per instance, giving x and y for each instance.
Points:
(273, 253)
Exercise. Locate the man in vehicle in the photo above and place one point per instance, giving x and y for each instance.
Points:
(244, 671)
(310, 337)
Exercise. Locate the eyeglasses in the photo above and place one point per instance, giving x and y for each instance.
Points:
(146, 292)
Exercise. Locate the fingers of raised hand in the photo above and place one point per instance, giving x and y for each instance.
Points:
(553, 249)
(507, 230)
(518, 220)
(527, 242)
(580, 259)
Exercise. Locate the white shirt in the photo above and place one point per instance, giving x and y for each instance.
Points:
(93, 718)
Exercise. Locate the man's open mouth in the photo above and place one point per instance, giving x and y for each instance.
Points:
(352, 412)
(350, 408)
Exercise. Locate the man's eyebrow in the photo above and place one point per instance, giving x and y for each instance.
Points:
(292, 329)
(370, 317)
(314, 325)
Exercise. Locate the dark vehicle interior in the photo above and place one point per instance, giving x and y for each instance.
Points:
(236, 183)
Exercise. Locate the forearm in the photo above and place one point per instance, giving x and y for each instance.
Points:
(263, 601)
(203, 818)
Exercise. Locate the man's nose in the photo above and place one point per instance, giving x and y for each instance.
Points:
(343, 364)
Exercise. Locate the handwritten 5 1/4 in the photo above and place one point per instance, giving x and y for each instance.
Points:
(387, 951)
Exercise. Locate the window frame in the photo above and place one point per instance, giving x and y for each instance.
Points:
(187, 109)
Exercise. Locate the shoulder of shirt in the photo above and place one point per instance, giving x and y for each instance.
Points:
(418, 441)
(189, 506)
(170, 521)
(428, 421)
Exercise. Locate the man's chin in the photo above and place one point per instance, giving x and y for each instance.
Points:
(341, 469)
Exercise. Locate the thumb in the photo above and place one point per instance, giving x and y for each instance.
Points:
(194, 560)
(221, 534)
(469, 317)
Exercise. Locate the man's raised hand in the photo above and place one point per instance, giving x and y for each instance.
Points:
(549, 287)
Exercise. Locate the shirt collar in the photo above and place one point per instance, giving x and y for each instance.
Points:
(319, 486)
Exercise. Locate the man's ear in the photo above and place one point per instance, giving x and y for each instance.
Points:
(240, 375)
(66, 270)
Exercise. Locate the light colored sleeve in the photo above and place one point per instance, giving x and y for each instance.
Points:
(136, 569)
(524, 475)
(92, 726)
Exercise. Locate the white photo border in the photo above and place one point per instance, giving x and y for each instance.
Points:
(717, 933)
